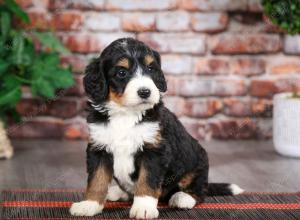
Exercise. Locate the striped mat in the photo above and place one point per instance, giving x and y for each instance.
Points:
(54, 204)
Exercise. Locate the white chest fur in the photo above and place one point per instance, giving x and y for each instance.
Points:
(123, 138)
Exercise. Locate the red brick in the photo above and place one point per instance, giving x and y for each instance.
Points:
(255, 6)
(270, 26)
(62, 107)
(102, 22)
(76, 4)
(291, 84)
(76, 62)
(264, 129)
(38, 20)
(67, 20)
(284, 65)
(39, 127)
(140, 5)
(248, 107)
(237, 107)
(230, 87)
(173, 83)
(234, 128)
(77, 89)
(211, 66)
(176, 64)
(203, 87)
(138, 22)
(262, 88)
(197, 129)
(83, 43)
(88, 43)
(262, 108)
(268, 87)
(203, 108)
(292, 44)
(25, 3)
(76, 128)
(175, 104)
(246, 44)
(248, 66)
(173, 21)
(213, 5)
(175, 42)
(209, 22)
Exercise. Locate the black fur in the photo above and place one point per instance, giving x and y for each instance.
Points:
(178, 154)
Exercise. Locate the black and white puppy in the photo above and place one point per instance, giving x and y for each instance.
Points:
(138, 149)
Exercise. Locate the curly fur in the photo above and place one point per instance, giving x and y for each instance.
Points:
(151, 154)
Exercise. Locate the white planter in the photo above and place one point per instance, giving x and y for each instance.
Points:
(286, 124)
(6, 150)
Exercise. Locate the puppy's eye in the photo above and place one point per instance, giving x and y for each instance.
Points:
(150, 68)
(122, 73)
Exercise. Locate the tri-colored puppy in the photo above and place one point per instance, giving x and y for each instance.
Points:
(138, 149)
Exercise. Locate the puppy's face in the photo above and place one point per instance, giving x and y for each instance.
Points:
(127, 74)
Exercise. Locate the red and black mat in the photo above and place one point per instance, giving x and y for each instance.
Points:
(54, 205)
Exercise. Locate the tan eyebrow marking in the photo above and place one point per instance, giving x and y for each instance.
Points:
(148, 59)
(123, 62)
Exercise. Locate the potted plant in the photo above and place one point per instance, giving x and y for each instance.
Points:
(286, 117)
(286, 124)
(22, 63)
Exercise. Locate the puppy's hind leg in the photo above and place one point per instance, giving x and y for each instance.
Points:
(115, 193)
(193, 190)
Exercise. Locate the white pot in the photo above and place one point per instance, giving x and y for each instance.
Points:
(286, 124)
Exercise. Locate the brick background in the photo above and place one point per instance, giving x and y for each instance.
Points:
(223, 60)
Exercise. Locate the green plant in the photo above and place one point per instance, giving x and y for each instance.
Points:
(22, 64)
(284, 13)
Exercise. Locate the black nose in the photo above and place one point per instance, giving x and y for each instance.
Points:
(144, 93)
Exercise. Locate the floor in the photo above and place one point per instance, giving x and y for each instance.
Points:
(61, 164)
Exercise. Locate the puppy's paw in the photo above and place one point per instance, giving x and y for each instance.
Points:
(182, 200)
(116, 194)
(86, 208)
(144, 208)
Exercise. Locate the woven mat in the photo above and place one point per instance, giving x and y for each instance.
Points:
(54, 204)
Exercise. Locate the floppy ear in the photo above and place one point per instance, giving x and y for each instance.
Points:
(160, 78)
(94, 81)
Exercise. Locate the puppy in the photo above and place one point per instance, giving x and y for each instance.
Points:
(138, 149)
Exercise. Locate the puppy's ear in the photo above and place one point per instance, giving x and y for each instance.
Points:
(94, 81)
(160, 78)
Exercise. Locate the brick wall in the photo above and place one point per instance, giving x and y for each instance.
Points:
(223, 60)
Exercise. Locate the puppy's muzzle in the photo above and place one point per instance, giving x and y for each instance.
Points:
(144, 93)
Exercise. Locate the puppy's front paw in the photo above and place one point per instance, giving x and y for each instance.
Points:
(115, 194)
(86, 208)
(144, 208)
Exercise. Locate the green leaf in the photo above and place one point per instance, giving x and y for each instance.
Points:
(62, 78)
(11, 97)
(48, 40)
(14, 7)
(10, 92)
(5, 24)
(43, 88)
(18, 48)
(3, 67)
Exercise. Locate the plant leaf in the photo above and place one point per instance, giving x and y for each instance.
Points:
(3, 67)
(62, 78)
(43, 88)
(14, 7)
(10, 92)
(5, 24)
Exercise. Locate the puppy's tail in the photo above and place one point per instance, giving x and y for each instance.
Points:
(223, 189)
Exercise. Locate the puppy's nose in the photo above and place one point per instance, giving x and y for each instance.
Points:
(144, 93)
